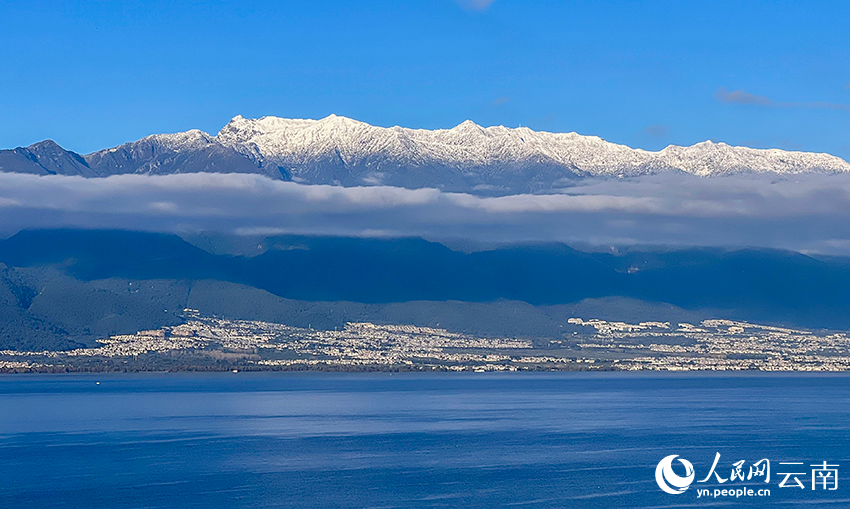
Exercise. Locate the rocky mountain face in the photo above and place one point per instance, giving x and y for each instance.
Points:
(45, 158)
(467, 158)
(161, 154)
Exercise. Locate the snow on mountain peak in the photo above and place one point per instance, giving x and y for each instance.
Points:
(188, 140)
(192, 139)
(468, 126)
(474, 152)
(337, 150)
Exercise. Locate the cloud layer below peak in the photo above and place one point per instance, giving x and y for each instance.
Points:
(800, 213)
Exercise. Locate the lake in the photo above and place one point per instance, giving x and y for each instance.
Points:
(410, 440)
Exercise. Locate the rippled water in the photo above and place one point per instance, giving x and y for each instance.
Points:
(361, 440)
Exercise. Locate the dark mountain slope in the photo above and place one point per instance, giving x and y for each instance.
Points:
(102, 254)
(757, 285)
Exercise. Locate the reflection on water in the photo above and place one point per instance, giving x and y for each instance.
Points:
(324, 440)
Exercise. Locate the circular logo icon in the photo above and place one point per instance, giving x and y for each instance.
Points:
(668, 480)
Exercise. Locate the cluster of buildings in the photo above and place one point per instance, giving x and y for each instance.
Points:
(215, 342)
(720, 345)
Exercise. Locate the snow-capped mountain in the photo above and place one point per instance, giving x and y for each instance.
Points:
(467, 158)
(474, 150)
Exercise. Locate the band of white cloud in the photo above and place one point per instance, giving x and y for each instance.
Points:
(800, 213)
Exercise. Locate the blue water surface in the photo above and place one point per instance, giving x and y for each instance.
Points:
(407, 440)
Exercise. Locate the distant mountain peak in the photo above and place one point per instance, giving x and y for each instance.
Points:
(468, 125)
(47, 144)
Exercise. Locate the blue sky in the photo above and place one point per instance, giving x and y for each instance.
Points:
(647, 74)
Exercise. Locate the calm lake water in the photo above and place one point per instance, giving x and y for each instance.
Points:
(363, 440)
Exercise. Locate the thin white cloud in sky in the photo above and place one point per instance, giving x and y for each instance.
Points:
(804, 213)
(475, 5)
(656, 130)
(743, 97)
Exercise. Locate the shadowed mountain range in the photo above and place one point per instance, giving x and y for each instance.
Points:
(61, 286)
